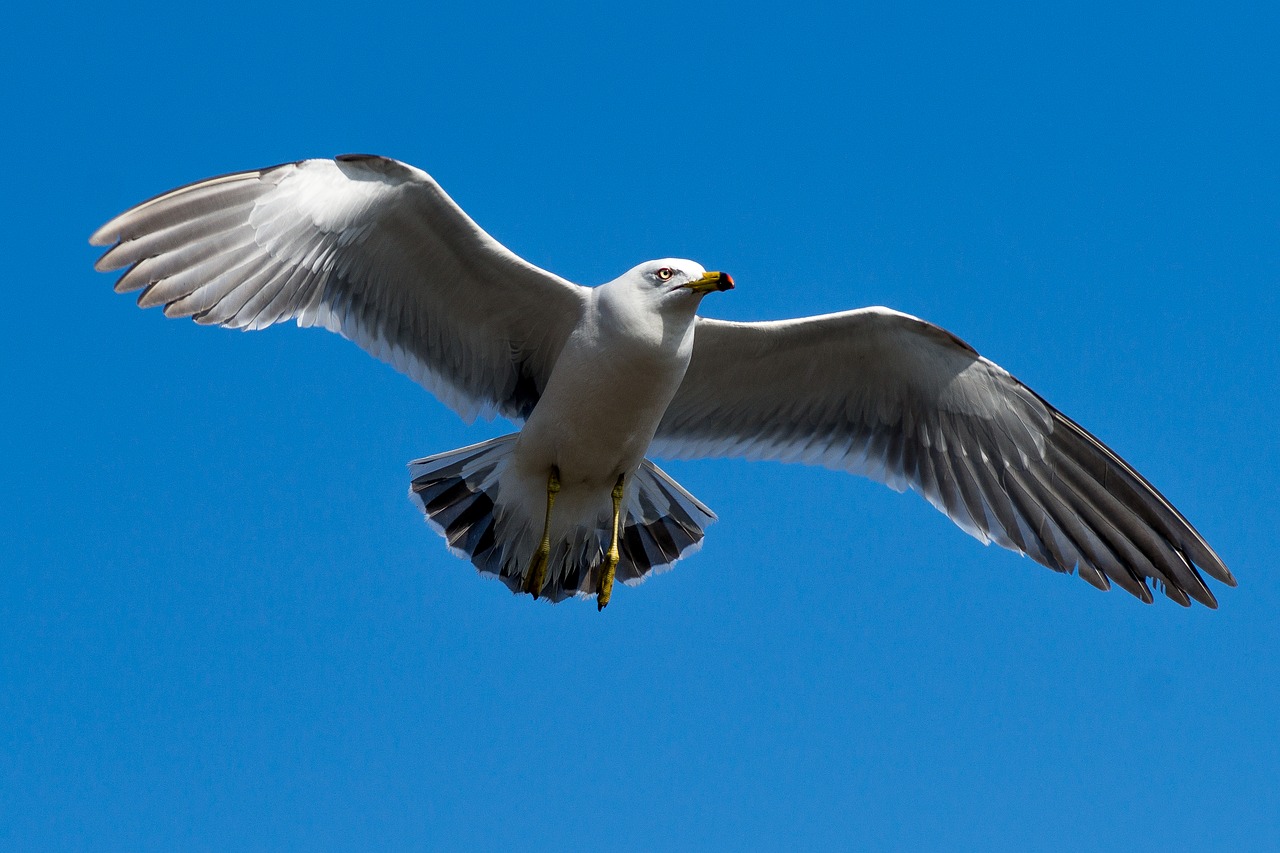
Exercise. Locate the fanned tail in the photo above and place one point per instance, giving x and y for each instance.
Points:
(664, 524)
(456, 491)
(460, 493)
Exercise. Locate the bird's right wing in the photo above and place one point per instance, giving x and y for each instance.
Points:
(884, 394)
(367, 247)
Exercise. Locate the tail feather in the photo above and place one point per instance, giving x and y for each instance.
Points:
(459, 493)
(456, 492)
(664, 524)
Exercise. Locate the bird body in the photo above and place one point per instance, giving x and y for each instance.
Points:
(600, 378)
(613, 381)
(596, 417)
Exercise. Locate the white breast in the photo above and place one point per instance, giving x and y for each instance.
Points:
(608, 391)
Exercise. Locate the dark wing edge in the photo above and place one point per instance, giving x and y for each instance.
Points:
(365, 246)
(902, 401)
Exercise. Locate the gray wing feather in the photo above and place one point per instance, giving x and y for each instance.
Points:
(364, 246)
(887, 395)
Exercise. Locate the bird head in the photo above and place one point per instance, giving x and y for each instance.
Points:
(675, 281)
(659, 298)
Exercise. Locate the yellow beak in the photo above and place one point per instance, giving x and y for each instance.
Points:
(710, 281)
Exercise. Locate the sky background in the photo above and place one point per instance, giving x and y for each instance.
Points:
(223, 625)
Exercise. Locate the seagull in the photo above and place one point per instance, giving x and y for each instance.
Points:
(599, 378)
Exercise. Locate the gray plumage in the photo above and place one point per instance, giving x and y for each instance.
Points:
(373, 249)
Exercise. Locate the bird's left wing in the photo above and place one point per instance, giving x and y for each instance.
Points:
(887, 395)
(365, 246)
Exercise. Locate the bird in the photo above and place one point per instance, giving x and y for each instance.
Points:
(598, 379)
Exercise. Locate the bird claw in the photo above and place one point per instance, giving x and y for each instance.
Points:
(605, 590)
(535, 577)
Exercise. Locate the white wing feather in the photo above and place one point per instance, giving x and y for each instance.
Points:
(887, 395)
(367, 247)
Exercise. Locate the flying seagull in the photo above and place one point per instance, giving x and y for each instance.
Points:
(599, 378)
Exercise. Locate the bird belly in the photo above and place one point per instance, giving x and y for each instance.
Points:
(596, 419)
(593, 424)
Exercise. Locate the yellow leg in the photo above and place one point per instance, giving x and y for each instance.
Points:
(611, 556)
(536, 575)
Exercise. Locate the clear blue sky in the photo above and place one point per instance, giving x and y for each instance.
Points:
(223, 625)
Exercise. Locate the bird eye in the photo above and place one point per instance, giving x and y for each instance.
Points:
(665, 273)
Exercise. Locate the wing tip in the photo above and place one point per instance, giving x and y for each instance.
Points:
(105, 263)
(106, 235)
(110, 232)
(1216, 568)
(1140, 589)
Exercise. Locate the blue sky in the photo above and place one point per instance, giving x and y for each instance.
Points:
(223, 625)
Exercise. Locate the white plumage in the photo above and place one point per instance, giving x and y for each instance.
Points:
(600, 377)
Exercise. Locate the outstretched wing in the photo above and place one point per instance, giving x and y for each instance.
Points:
(364, 246)
(887, 395)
